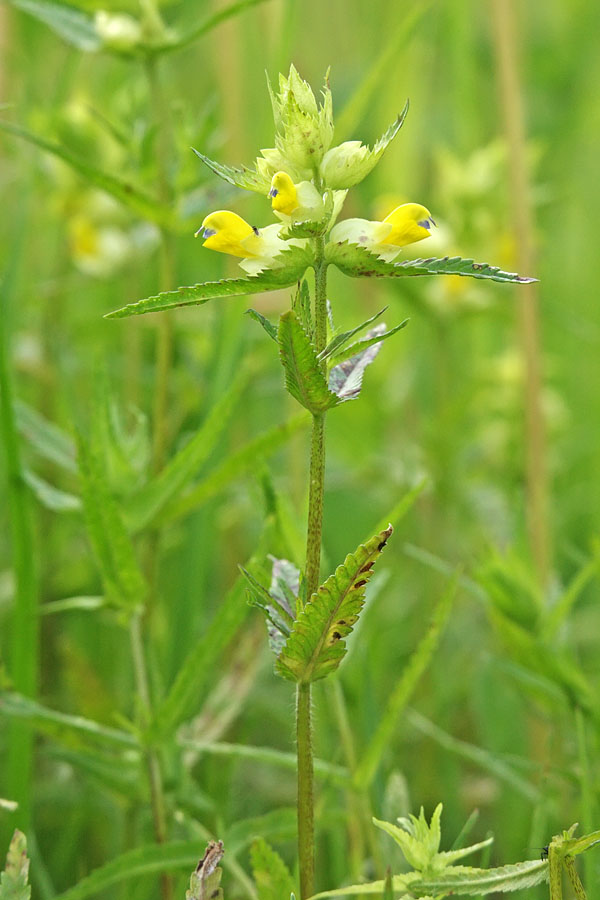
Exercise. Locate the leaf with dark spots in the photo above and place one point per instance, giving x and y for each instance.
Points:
(316, 645)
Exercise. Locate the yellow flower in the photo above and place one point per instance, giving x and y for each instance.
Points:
(406, 224)
(227, 232)
(300, 201)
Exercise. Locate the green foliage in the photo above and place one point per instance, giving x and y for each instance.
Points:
(316, 646)
(421, 658)
(73, 25)
(338, 341)
(271, 875)
(345, 378)
(14, 883)
(293, 263)
(262, 320)
(124, 583)
(124, 191)
(61, 725)
(148, 503)
(347, 164)
(377, 337)
(241, 177)
(304, 378)
(144, 860)
(197, 669)
(359, 262)
(233, 466)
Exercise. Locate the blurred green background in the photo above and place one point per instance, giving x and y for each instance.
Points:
(506, 719)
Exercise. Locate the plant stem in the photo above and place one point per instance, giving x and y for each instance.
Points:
(152, 760)
(306, 825)
(25, 621)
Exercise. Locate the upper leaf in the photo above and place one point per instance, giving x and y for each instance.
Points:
(13, 880)
(348, 163)
(316, 646)
(241, 176)
(345, 379)
(358, 262)
(304, 378)
(293, 262)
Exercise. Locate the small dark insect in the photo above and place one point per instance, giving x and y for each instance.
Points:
(544, 852)
(255, 230)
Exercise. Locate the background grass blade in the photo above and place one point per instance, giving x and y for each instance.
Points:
(418, 663)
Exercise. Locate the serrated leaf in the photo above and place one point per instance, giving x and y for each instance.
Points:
(458, 880)
(308, 228)
(362, 345)
(293, 262)
(303, 376)
(124, 191)
(343, 176)
(316, 645)
(262, 320)
(302, 308)
(124, 583)
(146, 505)
(357, 261)
(14, 879)
(271, 875)
(465, 880)
(278, 612)
(205, 883)
(73, 25)
(345, 379)
(239, 176)
(338, 340)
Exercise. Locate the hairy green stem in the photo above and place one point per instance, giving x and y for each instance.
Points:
(306, 826)
(25, 621)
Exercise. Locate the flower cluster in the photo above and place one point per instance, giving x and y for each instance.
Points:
(306, 180)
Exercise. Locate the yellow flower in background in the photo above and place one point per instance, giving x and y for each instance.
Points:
(300, 201)
(227, 232)
(406, 224)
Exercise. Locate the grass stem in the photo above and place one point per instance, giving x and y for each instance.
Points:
(25, 620)
(505, 33)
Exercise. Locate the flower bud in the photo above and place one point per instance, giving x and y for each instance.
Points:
(345, 165)
(117, 30)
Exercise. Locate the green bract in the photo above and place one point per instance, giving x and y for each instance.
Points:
(304, 128)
